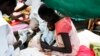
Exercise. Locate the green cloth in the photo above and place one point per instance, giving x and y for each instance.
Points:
(96, 48)
(76, 8)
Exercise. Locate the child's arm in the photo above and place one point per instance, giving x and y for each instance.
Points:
(17, 44)
(67, 45)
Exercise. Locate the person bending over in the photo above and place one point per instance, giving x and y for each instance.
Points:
(67, 41)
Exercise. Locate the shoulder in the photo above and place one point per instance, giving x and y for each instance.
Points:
(63, 22)
(64, 25)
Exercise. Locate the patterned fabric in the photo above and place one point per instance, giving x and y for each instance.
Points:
(96, 48)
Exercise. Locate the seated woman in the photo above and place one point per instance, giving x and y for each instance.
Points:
(67, 42)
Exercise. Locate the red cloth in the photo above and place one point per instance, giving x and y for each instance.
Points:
(63, 25)
(14, 22)
(84, 51)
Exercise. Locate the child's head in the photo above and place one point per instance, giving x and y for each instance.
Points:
(47, 14)
(7, 6)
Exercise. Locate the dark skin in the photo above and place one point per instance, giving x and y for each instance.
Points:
(51, 17)
(19, 42)
(22, 8)
(51, 26)
(66, 40)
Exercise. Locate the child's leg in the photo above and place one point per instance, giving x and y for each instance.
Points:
(35, 42)
(33, 23)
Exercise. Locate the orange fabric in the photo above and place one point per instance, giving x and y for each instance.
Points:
(63, 26)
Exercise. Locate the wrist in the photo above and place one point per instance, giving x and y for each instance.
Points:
(17, 44)
(20, 42)
(47, 52)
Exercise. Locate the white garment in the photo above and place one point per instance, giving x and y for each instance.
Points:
(23, 34)
(36, 20)
(19, 4)
(87, 37)
(34, 11)
(31, 52)
(34, 17)
(7, 38)
(16, 52)
(35, 41)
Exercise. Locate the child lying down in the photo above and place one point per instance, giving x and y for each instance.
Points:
(34, 48)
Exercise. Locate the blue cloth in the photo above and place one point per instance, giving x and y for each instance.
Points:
(47, 36)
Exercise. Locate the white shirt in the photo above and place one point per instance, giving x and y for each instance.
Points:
(47, 35)
(7, 38)
(34, 11)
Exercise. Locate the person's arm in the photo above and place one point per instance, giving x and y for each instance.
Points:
(67, 45)
(22, 8)
(17, 44)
